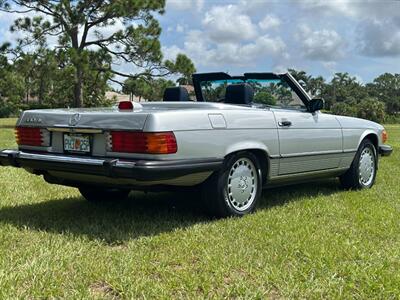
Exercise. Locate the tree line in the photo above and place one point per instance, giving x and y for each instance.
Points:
(47, 76)
(378, 100)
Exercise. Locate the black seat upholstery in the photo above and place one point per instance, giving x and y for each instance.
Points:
(241, 93)
(176, 94)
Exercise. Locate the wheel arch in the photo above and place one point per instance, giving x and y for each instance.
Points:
(372, 136)
(260, 151)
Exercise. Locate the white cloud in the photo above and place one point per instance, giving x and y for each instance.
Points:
(228, 24)
(324, 44)
(7, 19)
(263, 45)
(354, 8)
(117, 24)
(379, 38)
(171, 52)
(185, 5)
(247, 54)
(269, 21)
(180, 28)
(377, 23)
(254, 6)
(195, 43)
(341, 7)
(206, 53)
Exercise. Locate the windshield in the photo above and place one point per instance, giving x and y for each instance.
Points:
(271, 92)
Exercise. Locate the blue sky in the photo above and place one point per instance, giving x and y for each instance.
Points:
(319, 36)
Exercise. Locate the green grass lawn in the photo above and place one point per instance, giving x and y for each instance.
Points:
(7, 122)
(307, 241)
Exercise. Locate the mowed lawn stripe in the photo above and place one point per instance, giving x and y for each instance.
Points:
(305, 241)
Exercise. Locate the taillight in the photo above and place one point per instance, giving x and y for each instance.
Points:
(142, 142)
(29, 136)
(125, 105)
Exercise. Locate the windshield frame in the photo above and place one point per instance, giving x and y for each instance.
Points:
(198, 78)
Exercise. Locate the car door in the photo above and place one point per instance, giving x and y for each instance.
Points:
(307, 141)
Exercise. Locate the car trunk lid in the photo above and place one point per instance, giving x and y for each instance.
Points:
(99, 118)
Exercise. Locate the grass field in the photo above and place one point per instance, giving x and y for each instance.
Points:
(307, 241)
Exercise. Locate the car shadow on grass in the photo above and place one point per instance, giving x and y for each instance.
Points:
(150, 214)
(278, 196)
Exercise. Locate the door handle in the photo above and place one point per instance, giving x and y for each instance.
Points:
(285, 123)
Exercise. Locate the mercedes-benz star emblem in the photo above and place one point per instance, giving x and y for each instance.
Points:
(74, 119)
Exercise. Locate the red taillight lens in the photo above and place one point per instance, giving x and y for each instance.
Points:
(29, 136)
(142, 142)
(125, 105)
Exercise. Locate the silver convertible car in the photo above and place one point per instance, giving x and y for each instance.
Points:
(234, 136)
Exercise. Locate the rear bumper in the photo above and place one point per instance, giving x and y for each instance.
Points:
(141, 170)
(385, 150)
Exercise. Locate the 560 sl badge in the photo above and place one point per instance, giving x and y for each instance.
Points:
(33, 120)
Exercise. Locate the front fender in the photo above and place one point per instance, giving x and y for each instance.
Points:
(366, 133)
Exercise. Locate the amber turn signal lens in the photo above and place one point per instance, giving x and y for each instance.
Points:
(384, 136)
(143, 142)
(161, 143)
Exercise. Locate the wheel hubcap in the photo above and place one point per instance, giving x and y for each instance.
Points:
(366, 167)
(242, 184)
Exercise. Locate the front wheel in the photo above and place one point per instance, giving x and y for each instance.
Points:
(362, 172)
(236, 188)
(94, 194)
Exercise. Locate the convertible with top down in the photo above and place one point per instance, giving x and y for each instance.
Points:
(233, 137)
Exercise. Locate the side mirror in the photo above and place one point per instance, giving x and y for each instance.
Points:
(315, 104)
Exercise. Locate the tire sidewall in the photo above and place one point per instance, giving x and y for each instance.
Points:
(365, 144)
(223, 180)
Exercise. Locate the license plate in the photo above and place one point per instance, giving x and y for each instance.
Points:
(77, 143)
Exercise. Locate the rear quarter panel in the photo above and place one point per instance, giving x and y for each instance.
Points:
(198, 138)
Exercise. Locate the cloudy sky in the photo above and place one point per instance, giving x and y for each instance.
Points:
(322, 37)
(319, 36)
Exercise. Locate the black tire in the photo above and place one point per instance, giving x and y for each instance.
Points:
(96, 195)
(216, 190)
(352, 179)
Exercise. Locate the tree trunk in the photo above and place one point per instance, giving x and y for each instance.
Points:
(27, 91)
(41, 90)
(78, 87)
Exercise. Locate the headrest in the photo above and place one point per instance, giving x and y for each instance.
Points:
(241, 93)
(176, 94)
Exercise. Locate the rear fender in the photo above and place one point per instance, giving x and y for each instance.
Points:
(246, 145)
(260, 148)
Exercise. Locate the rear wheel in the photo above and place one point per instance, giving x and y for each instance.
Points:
(236, 188)
(93, 194)
(362, 172)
